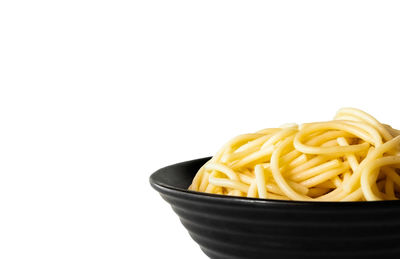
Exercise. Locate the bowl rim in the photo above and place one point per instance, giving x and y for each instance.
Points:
(164, 188)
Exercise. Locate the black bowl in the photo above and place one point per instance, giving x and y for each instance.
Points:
(234, 227)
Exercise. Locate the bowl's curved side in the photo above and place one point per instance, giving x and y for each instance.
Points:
(238, 228)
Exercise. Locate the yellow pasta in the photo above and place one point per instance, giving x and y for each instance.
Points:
(353, 157)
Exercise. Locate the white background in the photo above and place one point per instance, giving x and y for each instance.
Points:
(97, 95)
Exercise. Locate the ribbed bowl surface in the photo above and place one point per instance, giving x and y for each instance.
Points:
(233, 227)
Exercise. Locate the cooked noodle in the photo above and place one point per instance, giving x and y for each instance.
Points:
(351, 158)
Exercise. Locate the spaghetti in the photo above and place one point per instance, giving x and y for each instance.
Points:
(351, 158)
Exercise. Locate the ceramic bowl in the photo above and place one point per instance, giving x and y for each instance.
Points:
(228, 227)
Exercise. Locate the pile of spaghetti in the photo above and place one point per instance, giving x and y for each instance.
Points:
(351, 158)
